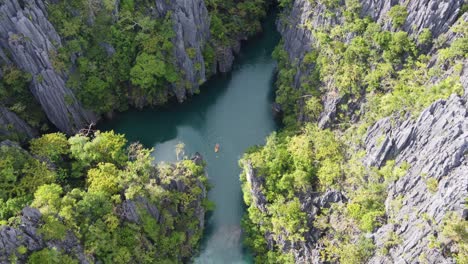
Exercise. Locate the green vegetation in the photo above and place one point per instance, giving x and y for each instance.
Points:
(80, 184)
(231, 20)
(432, 185)
(127, 54)
(121, 53)
(455, 230)
(20, 176)
(287, 164)
(375, 74)
(398, 15)
(15, 96)
(115, 50)
(51, 256)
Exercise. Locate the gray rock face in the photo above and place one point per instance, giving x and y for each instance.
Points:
(225, 55)
(28, 38)
(255, 183)
(192, 28)
(27, 235)
(11, 123)
(436, 15)
(311, 203)
(435, 146)
(299, 40)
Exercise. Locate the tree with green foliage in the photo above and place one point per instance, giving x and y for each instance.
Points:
(398, 15)
(52, 146)
(101, 174)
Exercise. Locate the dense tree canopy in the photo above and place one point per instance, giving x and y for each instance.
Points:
(79, 184)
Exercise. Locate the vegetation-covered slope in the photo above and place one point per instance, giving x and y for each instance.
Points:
(107, 55)
(358, 174)
(90, 199)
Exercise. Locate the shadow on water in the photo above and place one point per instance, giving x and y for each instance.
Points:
(233, 110)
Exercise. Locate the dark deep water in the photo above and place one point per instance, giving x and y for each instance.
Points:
(233, 110)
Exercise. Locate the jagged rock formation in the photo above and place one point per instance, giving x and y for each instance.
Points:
(299, 40)
(28, 235)
(27, 39)
(437, 16)
(192, 28)
(311, 202)
(225, 56)
(11, 123)
(435, 146)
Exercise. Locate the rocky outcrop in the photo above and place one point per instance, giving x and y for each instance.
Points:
(28, 38)
(435, 146)
(298, 38)
(27, 235)
(435, 15)
(10, 123)
(192, 35)
(130, 210)
(295, 29)
(255, 183)
(311, 202)
(305, 15)
(192, 32)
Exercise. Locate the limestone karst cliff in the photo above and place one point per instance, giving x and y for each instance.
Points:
(114, 54)
(404, 161)
(27, 40)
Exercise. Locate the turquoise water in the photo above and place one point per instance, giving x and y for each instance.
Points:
(232, 110)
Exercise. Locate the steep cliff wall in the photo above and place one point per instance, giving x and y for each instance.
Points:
(27, 40)
(397, 179)
(10, 123)
(192, 31)
(437, 16)
(304, 17)
(105, 56)
(435, 146)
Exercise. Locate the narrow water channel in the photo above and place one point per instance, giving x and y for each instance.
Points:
(233, 111)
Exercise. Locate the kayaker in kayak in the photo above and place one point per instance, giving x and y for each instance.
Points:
(216, 147)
